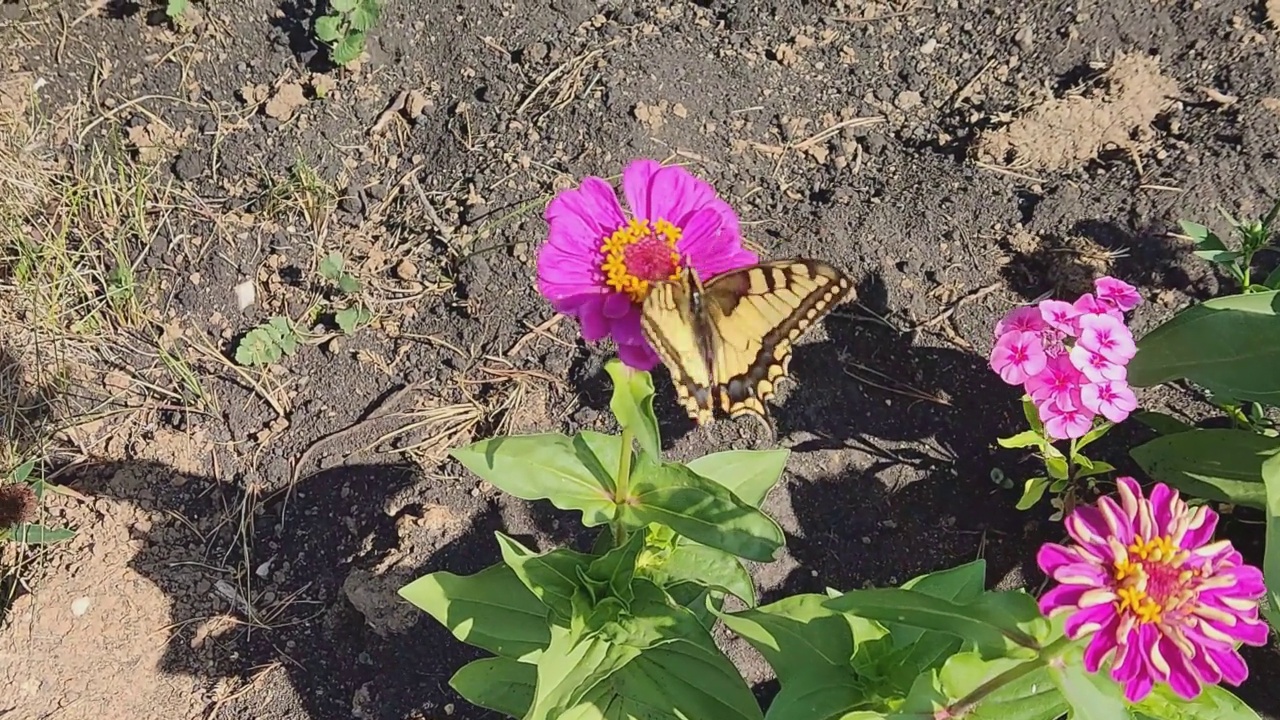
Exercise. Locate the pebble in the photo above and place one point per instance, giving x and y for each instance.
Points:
(929, 46)
(406, 270)
(908, 100)
(1024, 38)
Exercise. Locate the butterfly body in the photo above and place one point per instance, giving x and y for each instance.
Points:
(728, 341)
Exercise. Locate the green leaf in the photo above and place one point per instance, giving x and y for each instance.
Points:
(616, 568)
(1030, 697)
(491, 609)
(348, 50)
(706, 566)
(1273, 279)
(1271, 555)
(342, 6)
(1198, 233)
(1214, 703)
(365, 16)
(1032, 490)
(749, 474)
(1093, 435)
(1026, 438)
(662, 664)
(822, 695)
(699, 509)
(33, 534)
(332, 264)
(1032, 414)
(267, 343)
(570, 472)
(1057, 467)
(347, 284)
(1163, 423)
(1217, 464)
(1230, 345)
(632, 405)
(1092, 696)
(798, 635)
(499, 684)
(1097, 467)
(23, 471)
(176, 8)
(351, 319)
(328, 30)
(993, 623)
(551, 576)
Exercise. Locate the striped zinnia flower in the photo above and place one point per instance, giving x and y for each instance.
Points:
(1163, 601)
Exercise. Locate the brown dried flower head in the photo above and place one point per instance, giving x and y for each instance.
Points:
(17, 504)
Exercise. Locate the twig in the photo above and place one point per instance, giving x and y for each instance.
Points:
(541, 329)
(950, 309)
(379, 411)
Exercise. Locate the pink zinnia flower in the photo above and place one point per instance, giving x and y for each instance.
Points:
(1022, 319)
(1113, 399)
(1017, 356)
(1108, 337)
(1117, 292)
(1162, 601)
(598, 263)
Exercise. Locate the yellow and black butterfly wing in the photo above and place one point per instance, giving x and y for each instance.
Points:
(753, 315)
(674, 328)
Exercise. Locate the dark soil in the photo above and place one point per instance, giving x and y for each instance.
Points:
(890, 474)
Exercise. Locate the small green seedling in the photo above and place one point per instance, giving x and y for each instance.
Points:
(345, 27)
(352, 317)
(176, 11)
(1063, 471)
(332, 268)
(1255, 236)
(268, 342)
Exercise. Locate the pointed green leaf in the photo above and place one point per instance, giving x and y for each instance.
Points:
(616, 568)
(1092, 696)
(1032, 491)
(1214, 703)
(1032, 414)
(799, 635)
(993, 623)
(491, 609)
(23, 471)
(749, 474)
(632, 405)
(1230, 345)
(1271, 554)
(1097, 467)
(33, 534)
(1026, 438)
(824, 695)
(699, 509)
(1030, 697)
(1217, 464)
(499, 684)
(1163, 423)
(1093, 435)
(706, 566)
(328, 30)
(573, 473)
(551, 576)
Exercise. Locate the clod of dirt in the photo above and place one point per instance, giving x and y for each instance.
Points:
(1273, 13)
(288, 98)
(155, 141)
(1272, 104)
(254, 94)
(375, 596)
(651, 115)
(1069, 131)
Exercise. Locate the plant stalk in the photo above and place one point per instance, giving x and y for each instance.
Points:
(966, 704)
(622, 484)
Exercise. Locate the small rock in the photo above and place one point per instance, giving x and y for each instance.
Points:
(1024, 38)
(406, 270)
(80, 606)
(535, 52)
(929, 46)
(908, 100)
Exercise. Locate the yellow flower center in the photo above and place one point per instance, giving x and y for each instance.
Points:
(636, 255)
(1152, 582)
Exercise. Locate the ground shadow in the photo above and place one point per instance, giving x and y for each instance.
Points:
(317, 604)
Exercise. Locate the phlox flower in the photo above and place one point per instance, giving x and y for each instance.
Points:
(598, 261)
(1075, 369)
(1113, 399)
(1119, 293)
(1017, 356)
(1108, 337)
(1160, 600)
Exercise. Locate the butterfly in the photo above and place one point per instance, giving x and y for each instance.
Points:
(727, 342)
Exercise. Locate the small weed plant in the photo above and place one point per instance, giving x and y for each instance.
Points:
(280, 337)
(20, 496)
(345, 28)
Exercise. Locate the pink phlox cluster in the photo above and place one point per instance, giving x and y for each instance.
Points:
(1071, 358)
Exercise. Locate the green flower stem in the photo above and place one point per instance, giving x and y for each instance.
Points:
(622, 484)
(1071, 461)
(966, 704)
